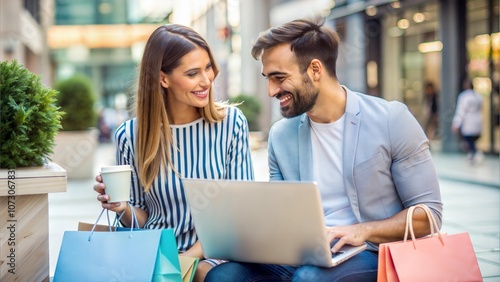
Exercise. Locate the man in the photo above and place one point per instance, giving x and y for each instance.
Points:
(370, 157)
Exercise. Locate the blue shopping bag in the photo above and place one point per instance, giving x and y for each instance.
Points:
(128, 255)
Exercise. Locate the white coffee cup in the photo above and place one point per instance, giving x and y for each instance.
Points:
(117, 181)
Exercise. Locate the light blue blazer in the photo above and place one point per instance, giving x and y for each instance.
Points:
(387, 164)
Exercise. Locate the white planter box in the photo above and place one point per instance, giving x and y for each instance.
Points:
(75, 152)
(24, 220)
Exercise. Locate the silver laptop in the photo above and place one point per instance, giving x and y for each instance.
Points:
(262, 222)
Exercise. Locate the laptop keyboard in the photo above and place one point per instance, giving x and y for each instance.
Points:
(337, 254)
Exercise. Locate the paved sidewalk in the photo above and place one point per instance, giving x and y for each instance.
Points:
(471, 196)
(454, 166)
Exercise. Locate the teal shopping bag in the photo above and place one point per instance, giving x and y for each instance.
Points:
(128, 255)
(146, 255)
(167, 267)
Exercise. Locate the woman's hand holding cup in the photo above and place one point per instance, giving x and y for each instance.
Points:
(113, 183)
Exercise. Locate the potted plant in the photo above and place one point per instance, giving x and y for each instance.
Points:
(250, 107)
(77, 141)
(29, 121)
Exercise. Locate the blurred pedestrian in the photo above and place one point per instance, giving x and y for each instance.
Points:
(431, 110)
(468, 120)
(179, 132)
(104, 130)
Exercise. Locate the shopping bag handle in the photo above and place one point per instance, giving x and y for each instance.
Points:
(432, 222)
(134, 217)
(117, 219)
(135, 221)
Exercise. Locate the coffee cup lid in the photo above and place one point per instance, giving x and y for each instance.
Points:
(114, 168)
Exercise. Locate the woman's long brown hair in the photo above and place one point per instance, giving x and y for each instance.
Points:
(163, 52)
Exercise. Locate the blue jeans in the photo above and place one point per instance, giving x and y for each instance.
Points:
(362, 267)
(471, 143)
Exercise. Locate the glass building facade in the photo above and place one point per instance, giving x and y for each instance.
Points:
(399, 46)
(103, 39)
(388, 48)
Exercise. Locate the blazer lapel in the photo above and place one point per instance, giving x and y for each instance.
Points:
(351, 131)
(305, 149)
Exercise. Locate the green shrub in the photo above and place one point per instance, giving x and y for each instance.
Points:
(250, 106)
(76, 98)
(29, 119)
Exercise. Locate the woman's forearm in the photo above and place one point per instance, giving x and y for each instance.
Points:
(126, 216)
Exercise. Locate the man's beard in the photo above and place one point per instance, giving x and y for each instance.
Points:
(303, 100)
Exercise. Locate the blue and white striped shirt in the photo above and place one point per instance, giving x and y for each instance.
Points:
(207, 150)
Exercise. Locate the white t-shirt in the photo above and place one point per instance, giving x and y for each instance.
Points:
(327, 141)
(469, 113)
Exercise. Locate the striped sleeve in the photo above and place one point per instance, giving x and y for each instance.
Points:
(239, 163)
(124, 137)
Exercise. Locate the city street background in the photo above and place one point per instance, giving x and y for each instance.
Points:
(471, 196)
(388, 48)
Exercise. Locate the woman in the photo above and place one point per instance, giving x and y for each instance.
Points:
(468, 120)
(179, 131)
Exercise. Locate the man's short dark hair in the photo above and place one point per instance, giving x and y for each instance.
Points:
(309, 39)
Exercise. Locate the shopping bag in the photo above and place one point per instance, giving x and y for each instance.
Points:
(128, 255)
(188, 264)
(437, 257)
(188, 267)
(85, 226)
